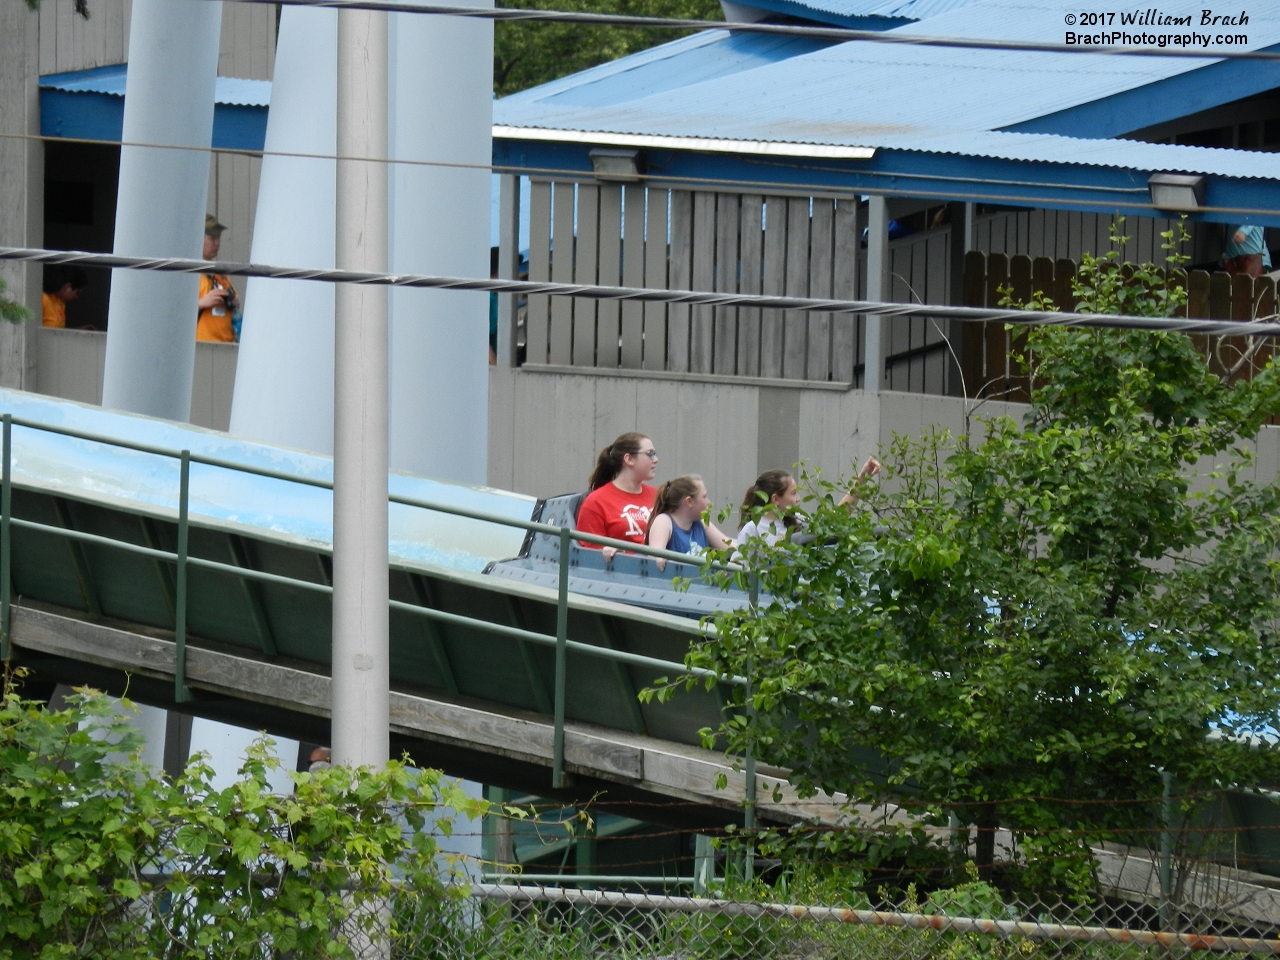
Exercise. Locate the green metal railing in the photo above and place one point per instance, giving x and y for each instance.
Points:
(183, 562)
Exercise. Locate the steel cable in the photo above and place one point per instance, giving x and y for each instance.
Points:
(1031, 318)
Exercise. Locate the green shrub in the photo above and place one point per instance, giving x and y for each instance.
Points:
(101, 856)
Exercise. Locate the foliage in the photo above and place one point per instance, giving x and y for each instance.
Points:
(1033, 624)
(99, 856)
(528, 54)
(10, 310)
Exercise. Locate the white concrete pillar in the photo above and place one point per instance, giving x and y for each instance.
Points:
(877, 289)
(441, 109)
(228, 746)
(284, 373)
(160, 207)
(361, 698)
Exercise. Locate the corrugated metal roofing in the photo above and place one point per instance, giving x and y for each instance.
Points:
(902, 97)
(671, 66)
(906, 9)
(111, 80)
(1122, 154)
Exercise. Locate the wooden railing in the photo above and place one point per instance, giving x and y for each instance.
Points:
(731, 242)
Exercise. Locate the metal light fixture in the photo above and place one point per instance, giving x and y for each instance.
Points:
(1177, 191)
(616, 164)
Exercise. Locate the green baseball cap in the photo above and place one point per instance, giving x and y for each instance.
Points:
(212, 226)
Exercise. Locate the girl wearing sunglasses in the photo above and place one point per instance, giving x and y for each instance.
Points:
(620, 499)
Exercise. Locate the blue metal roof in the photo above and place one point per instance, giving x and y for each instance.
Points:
(90, 104)
(710, 55)
(111, 80)
(870, 91)
(597, 126)
(859, 14)
(934, 100)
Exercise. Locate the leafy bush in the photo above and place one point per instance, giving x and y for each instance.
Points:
(1040, 624)
(100, 856)
(10, 310)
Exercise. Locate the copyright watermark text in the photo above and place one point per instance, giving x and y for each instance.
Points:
(1150, 27)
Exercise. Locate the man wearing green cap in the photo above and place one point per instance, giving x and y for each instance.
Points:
(218, 300)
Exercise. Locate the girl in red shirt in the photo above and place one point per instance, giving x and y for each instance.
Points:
(620, 500)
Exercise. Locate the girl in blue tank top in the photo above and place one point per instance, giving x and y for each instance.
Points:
(677, 524)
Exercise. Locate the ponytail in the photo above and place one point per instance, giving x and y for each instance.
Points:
(671, 494)
(609, 463)
(761, 493)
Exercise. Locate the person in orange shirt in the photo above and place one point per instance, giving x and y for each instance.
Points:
(62, 284)
(218, 303)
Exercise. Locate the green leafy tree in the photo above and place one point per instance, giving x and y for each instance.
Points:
(10, 310)
(528, 54)
(1043, 624)
(99, 856)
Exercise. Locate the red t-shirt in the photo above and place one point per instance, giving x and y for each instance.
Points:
(610, 512)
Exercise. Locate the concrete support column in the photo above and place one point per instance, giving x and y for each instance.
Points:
(442, 110)
(21, 186)
(508, 265)
(284, 373)
(360, 594)
(877, 289)
(160, 207)
(964, 336)
(961, 217)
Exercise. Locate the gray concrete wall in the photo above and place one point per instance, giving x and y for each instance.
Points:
(547, 426)
(55, 40)
(71, 363)
(67, 42)
(21, 182)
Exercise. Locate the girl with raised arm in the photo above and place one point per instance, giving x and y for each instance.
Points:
(776, 491)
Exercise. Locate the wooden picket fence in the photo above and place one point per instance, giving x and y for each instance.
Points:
(727, 242)
(987, 362)
(811, 246)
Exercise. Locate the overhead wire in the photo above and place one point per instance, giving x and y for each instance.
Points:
(842, 34)
(1031, 318)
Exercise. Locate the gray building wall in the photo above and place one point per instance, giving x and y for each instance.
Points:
(21, 181)
(71, 363)
(726, 431)
(55, 40)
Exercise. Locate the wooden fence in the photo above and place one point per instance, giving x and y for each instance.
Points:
(1066, 234)
(986, 363)
(793, 246)
(646, 236)
(635, 235)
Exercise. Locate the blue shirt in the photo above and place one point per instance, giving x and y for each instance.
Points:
(1253, 243)
(693, 540)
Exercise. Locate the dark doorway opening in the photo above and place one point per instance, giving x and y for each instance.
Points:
(80, 181)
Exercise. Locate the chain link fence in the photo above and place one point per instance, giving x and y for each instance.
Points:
(533, 922)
